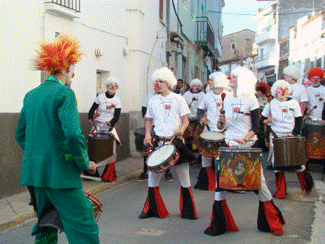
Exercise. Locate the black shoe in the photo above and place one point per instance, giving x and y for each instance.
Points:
(143, 215)
(169, 177)
(143, 177)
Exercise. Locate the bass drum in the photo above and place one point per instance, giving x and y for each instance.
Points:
(289, 151)
(240, 168)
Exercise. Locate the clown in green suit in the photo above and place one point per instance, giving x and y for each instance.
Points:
(49, 132)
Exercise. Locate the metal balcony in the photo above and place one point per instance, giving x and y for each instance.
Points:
(265, 61)
(68, 8)
(269, 35)
(205, 35)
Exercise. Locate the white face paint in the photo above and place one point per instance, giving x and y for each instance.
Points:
(69, 76)
(282, 93)
(196, 88)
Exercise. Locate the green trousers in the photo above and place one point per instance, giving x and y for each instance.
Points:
(76, 214)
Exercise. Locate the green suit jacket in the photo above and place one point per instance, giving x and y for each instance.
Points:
(49, 132)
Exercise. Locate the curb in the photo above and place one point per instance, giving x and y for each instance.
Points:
(23, 217)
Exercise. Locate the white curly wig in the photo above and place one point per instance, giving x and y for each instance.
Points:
(196, 82)
(112, 81)
(278, 84)
(292, 71)
(246, 82)
(220, 80)
(166, 75)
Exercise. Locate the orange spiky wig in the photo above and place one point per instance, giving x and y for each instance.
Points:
(55, 57)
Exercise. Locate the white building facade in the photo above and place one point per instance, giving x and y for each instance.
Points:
(125, 39)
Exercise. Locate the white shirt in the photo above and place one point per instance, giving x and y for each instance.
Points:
(238, 123)
(167, 112)
(299, 93)
(193, 100)
(212, 103)
(105, 107)
(283, 114)
(316, 97)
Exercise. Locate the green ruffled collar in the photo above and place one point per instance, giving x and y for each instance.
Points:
(53, 78)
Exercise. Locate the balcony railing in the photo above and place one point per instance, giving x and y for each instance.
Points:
(264, 57)
(71, 4)
(205, 35)
(269, 35)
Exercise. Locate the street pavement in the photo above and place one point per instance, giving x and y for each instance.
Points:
(123, 201)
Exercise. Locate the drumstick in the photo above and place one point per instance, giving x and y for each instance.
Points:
(313, 108)
(171, 140)
(223, 95)
(222, 111)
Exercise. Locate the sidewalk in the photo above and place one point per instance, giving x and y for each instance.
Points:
(15, 209)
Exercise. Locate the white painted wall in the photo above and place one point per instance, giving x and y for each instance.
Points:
(20, 30)
(113, 27)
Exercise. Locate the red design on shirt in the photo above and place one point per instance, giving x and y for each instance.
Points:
(236, 110)
(284, 110)
(167, 106)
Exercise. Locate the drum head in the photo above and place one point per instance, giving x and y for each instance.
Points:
(212, 136)
(161, 155)
(239, 150)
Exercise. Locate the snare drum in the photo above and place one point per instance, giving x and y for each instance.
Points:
(100, 146)
(240, 168)
(163, 158)
(209, 143)
(289, 151)
(315, 140)
(96, 204)
(51, 217)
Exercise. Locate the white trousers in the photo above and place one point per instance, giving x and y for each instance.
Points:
(182, 171)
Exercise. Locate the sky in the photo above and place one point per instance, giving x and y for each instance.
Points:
(237, 14)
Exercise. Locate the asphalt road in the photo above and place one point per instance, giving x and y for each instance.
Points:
(119, 221)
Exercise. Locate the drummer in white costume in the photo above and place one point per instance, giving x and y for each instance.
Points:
(168, 111)
(212, 104)
(193, 98)
(241, 120)
(144, 174)
(316, 96)
(292, 75)
(284, 116)
(108, 107)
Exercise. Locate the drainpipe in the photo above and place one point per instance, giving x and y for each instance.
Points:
(168, 32)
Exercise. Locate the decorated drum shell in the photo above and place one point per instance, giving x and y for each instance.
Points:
(289, 151)
(240, 168)
(315, 139)
(210, 142)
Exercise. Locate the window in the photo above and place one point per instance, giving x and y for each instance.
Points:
(233, 46)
